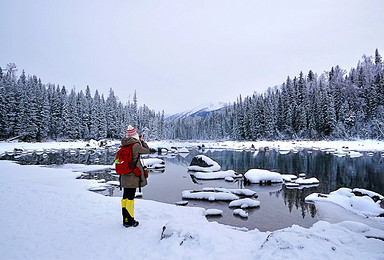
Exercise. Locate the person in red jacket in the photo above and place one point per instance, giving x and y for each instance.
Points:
(130, 182)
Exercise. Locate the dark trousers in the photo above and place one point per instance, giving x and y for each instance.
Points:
(129, 193)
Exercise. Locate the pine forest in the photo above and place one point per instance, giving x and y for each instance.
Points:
(333, 105)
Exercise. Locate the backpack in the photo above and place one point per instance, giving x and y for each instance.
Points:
(124, 162)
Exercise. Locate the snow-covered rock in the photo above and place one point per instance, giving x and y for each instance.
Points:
(182, 203)
(283, 152)
(208, 195)
(240, 192)
(244, 203)
(100, 188)
(213, 212)
(308, 181)
(289, 177)
(241, 213)
(153, 163)
(263, 176)
(354, 154)
(292, 185)
(345, 198)
(229, 179)
(215, 175)
(375, 196)
(115, 183)
(203, 163)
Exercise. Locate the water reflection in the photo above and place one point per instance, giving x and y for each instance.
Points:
(63, 156)
(332, 171)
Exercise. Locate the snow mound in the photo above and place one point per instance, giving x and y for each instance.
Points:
(299, 182)
(154, 163)
(244, 203)
(303, 181)
(375, 196)
(241, 192)
(215, 175)
(213, 212)
(289, 177)
(344, 197)
(241, 213)
(97, 188)
(262, 176)
(292, 185)
(294, 242)
(175, 231)
(354, 154)
(229, 179)
(208, 195)
(182, 203)
(115, 183)
(203, 163)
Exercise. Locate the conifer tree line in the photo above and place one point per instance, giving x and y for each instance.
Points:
(32, 111)
(334, 105)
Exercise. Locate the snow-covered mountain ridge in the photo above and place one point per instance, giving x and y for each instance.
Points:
(202, 110)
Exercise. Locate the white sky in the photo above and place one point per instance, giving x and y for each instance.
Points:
(179, 54)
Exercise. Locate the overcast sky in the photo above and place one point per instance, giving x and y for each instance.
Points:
(179, 54)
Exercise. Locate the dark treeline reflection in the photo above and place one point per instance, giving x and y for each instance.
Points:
(64, 156)
(295, 198)
(333, 172)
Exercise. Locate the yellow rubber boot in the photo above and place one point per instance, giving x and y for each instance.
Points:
(130, 204)
(124, 211)
(124, 203)
(131, 218)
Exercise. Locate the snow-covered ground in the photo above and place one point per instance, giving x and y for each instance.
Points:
(47, 214)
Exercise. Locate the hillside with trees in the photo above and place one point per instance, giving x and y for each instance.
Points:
(334, 105)
(32, 111)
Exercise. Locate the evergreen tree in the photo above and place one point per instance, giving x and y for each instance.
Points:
(378, 59)
(73, 119)
(3, 107)
(43, 115)
(111, 115)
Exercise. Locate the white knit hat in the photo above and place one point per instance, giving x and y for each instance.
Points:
(131, 132)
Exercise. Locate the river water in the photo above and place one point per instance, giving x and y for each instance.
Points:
(280, 206)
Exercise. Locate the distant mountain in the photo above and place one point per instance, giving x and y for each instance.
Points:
(202, 110)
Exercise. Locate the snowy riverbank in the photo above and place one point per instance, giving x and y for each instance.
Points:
(336, 147)
(47, 214)
(332, 146)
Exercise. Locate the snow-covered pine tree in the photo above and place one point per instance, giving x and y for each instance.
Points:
(43, 114)
(111, 115)
(73, 119)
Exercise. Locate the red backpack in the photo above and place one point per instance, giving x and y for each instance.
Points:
(124, 162)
